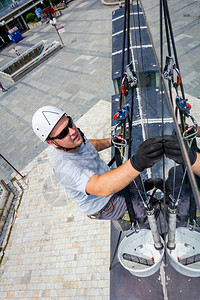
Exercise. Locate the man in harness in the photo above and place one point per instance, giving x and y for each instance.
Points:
(96, 189)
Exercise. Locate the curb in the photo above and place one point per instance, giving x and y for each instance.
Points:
(109, 3)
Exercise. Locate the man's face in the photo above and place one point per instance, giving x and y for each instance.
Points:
(71, 140)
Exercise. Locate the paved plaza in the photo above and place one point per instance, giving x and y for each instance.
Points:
(74, 79)
(185, 19)
(55, 252)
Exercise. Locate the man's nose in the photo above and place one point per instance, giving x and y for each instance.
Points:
(72, 130)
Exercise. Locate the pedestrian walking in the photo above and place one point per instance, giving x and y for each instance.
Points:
(2, 40)
(16, 51)
(2, 88)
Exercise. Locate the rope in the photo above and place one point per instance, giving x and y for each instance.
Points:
(170, 41)
(123, 51)
(126, 43)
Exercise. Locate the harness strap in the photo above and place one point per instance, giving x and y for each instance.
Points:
(111, 162)
(97, 214)
(126, 191)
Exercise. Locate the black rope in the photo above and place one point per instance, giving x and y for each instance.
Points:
(162, 112)
(143, 73)
(123, 51)
(168, 27)
(167, 30)
(128, 32)
(140, 36)
(117, 156)
(169, 49)
(133, 94)
(173, 43)
(132, 91)
(134, 25)
(138, 71)
(126, 191)
(164, 6)
(130, 125)
(130, 120)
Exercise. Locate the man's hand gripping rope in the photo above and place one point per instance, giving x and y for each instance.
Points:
(173, 151)
(148, 153)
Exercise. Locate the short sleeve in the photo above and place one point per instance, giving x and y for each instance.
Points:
(74, 177)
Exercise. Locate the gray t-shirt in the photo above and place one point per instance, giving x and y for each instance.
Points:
(73, 170)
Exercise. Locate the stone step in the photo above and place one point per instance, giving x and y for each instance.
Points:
(10, 198)
(6, 199)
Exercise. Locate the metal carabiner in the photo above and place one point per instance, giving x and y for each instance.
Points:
(132, 77)
(168, 69)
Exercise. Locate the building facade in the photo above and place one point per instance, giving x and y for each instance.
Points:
(13, 14)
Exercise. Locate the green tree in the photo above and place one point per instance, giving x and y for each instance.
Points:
(30, 17)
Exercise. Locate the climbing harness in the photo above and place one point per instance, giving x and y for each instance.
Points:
(188, 132)
(119, 131)
(129, 79)
(97, 214)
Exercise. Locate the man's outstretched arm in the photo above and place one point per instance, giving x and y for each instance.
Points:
(196, 165)
(198, 134)
(148, 153)
(173, 151)
(113, 181)
(101, 144)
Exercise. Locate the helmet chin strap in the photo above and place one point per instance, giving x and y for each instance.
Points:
(68, 149)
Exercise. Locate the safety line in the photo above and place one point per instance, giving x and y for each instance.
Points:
(190, 174)
(139, 100)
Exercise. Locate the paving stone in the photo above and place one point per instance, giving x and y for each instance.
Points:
(186, 26)
(56, 82)
(43, 258)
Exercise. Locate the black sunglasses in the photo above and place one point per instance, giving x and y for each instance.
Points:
(65, 131)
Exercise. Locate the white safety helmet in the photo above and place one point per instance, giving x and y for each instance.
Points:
(45, 119)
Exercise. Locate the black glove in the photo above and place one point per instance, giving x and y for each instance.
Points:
(173, 151)
(148, 153)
